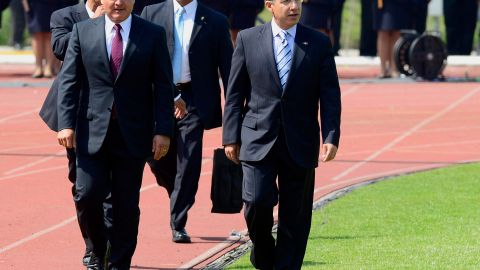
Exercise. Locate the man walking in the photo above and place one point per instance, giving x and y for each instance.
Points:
(199, 45)
(282, 75)
(122, 113)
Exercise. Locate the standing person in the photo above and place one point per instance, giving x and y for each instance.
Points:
(222, 6)
(199, 45)
(389, 18)
(122, 114)
(38, 14)
(318, 14)
(337, 24)
(18, 23)
(368, 36)
(61, 23)
(420, 14)
(460, 23)
(243, 16)
(281, 72)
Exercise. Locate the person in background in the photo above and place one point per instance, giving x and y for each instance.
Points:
(140, 4)
(283, 75)
(222, 6)
(243, 15)
(38, 14)
(420, 13)
(368, 36)
(318, 14)
(337, 24)
(390, 16)
(18, 23)
(460, 22)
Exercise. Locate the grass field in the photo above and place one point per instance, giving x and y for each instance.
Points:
(428, 220)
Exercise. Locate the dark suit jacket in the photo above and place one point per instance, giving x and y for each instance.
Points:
(210, 51)
(61, 24)
(143, 90)
(257, 108)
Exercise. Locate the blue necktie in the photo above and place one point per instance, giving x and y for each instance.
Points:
(178, 50)
(284, 58)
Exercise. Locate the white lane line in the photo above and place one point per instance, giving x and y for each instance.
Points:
(31, 164)
(33, 172)
(352, 90)
(53, 228)
(408, 133)
(18, 115)
(37, 234)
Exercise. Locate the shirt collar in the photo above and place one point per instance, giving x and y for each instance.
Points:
(89, 11)
(126, 24)
(191, 8)
(276, 29)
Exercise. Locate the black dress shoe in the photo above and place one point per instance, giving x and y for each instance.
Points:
(180, 236)
(86, 258)
(95, 263)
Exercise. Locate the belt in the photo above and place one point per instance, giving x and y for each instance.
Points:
(183, 86)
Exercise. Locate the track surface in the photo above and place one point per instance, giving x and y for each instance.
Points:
(387, 128)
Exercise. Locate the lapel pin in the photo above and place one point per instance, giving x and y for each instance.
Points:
(203, 20)
(305, 43)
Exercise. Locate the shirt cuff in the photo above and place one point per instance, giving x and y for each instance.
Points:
(177, 97)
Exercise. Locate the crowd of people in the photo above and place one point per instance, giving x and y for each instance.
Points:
(381, 22)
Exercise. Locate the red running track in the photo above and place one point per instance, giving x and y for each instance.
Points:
(387, 128)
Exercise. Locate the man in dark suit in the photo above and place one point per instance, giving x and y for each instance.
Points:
(281, 73)
(460, 22)
(123, 112)
(61, 24)
(199, 45)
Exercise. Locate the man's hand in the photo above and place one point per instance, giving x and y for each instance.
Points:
(328, 152)
(180, 108)
(66, 138)
(160, 146)
(232, 151)
(99, 11)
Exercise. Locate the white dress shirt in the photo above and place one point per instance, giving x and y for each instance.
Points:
(277, 41)
(188, 21)
(110, 33)
(90, 12)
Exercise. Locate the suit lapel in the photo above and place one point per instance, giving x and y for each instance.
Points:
(266, 37)
(200, 20)
(300, 47)
(133, 40)
(101, 42)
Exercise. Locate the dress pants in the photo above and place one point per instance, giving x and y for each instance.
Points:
(112, 169)
(189, 142)
(460, 23)
(293, 193)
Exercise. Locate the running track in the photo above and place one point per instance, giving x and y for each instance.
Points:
(388, 128)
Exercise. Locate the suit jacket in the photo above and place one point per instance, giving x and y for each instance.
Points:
(257, 109)
(210, 50)
(61, 24)
(142, 91)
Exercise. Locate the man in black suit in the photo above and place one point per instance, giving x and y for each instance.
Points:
(61, 24)
(460, 22)
(115, 106)
(199, 45)
(281, 73)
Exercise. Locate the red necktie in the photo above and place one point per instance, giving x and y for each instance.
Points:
(116, 59)
(117, 51)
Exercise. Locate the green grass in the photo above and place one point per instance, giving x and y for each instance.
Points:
(428, 220)
(5, 30)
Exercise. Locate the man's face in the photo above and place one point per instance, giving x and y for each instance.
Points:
(118, 10)
(286, 13)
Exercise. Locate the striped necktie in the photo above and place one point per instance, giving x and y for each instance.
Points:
(284, 58)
